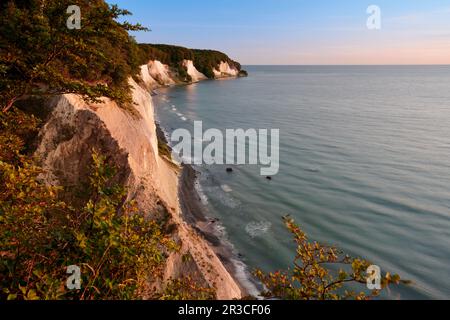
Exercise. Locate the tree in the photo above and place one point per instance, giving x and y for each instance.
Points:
(312, 277)
(117, 248)
(40, 55)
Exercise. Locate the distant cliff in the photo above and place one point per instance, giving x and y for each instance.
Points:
(169, 65)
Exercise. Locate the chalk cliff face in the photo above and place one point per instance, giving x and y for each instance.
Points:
(156, 74)
(192, 71)
(161, 73)
(225, 70)
(148, 81)
(128, 139)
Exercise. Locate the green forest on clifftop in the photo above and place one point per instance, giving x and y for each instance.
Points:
(204, 60)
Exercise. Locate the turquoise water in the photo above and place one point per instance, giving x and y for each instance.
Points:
(364, 164)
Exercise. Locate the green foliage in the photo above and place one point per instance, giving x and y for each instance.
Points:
(243, 73)
(164, 150)
(115, 246)
(119, 247)
(27, 210)
(26, 213)
(167, 54)
(186, 288)
(182, 73)
(204, 60)
(312, 277)
(17, 129)
(121, 253)
(207, 60)
(39, 55)
(119, 250)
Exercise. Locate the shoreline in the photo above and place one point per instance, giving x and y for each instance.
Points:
(195, 214)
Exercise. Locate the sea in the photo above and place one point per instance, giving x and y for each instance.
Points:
(364, 165)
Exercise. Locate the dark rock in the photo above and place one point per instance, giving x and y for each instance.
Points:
(243, 74)
(269, 178)
(229, 170)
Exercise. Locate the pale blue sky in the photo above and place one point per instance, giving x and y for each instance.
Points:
(301, 31)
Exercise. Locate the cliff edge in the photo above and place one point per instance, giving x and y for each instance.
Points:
(129, 140)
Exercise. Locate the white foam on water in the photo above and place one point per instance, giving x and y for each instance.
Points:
(240, 268)
(226, 188)
(200, 192)
(241, 272)
(257, 228)
(223, 197)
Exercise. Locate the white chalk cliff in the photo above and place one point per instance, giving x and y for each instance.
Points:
(149, 81)
(128, 138)
(225, 70)
(156, 74)
(192, 71)
(161, 73)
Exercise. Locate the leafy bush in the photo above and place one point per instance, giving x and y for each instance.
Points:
(120, 252)
(41, 56)
(312, 277)
(185, 288)
(207, 60)
(115, 246)
(17, 129)
(167, 54)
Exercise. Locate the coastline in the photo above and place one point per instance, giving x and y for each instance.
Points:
(195, 214)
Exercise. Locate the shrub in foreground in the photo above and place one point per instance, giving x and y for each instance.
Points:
(320, 273)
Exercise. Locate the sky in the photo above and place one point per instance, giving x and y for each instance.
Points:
(300, 32)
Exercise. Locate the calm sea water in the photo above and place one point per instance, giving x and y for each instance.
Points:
(364, 164)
